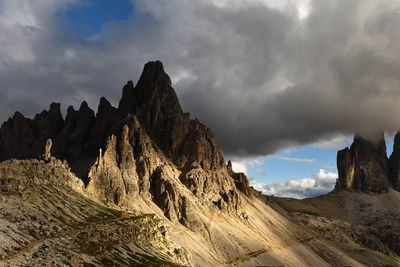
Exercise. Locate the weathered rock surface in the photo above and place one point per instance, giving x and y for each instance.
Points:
(47, 150)
(364, 166)
(20, 175)
(46, 220)
(240, 180)
(156, 106)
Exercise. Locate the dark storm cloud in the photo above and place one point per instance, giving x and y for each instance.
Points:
(260, 77)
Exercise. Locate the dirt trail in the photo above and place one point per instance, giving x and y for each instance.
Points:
(73, 234)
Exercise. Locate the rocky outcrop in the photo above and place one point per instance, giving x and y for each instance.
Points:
(47, 152)
(240, 180)
(364, 166)
(156, 105)
(18, 175)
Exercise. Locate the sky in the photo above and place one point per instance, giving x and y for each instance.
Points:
(283, 84)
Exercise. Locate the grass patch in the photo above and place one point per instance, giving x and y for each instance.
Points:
(310, 212)
(104, 215)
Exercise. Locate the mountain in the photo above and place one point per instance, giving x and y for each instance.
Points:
(364, 207)
(364, 166)
(144, 183)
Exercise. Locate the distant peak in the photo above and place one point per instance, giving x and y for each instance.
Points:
(18, 116)
(129, 84)
(153, 72)
(70, 109)
(153, 85)
(104, 102)
(55, 107)
(84, 105)
(154, 65)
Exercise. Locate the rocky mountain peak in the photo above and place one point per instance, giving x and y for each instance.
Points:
(153, 76)
(156, 106)
(104, 105)
(85, 107)
(153, 88)
(146, 147)
(48, 123)
(364, 166)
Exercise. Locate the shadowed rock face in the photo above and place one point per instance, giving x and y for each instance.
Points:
(21, 137)
(364, 166)
(79, 137)
(394, 163)
(240, 180)
(147, 146)
(156, 106)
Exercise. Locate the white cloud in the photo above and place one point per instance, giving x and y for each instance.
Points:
(321, 183)
(240, 164)
(325, 179)
(299, 160)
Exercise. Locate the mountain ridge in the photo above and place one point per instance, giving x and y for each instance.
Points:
(148, 156)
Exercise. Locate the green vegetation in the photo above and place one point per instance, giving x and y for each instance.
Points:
(105, 214)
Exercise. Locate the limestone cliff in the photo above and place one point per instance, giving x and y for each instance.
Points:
(364, 166)
(156, 106)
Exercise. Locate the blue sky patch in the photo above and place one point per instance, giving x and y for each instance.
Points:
(88, 16)
(298, 163)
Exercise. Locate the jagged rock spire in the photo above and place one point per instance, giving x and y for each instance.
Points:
(154, 102)
(364, 166)
(153, 87)
(47, 150)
